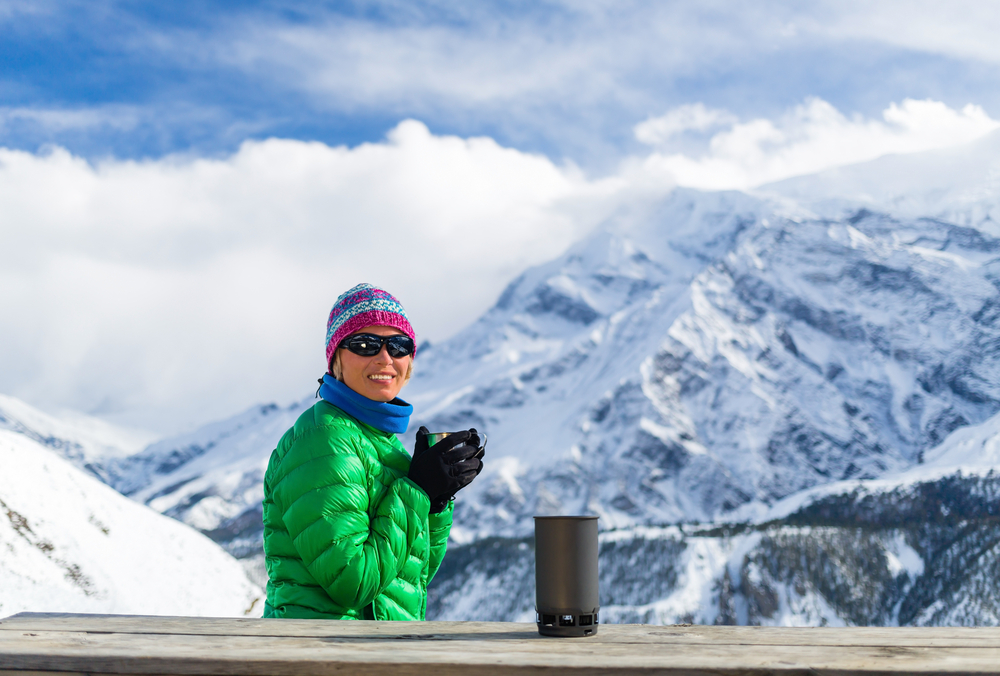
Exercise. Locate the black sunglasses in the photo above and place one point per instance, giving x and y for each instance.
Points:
(369, 345)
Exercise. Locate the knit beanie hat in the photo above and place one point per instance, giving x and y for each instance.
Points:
(364, 305)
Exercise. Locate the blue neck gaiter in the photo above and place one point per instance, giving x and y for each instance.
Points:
(391, 416)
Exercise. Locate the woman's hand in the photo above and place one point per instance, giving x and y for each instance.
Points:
(466, 460)
(446, 467)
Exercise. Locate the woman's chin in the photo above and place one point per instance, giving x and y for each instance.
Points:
(381, 391)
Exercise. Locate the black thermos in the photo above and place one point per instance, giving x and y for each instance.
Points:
(566, 602)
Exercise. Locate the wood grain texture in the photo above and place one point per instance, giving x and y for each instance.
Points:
(53, 643)
(636, 633)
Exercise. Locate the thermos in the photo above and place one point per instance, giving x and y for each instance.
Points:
(566, 600)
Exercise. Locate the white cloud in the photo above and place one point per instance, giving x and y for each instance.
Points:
(358, 63)
(811, 137)
(964, 29)
(689, 117)
(121, 118)
(182, 289)
(425, 56)
(454, 58)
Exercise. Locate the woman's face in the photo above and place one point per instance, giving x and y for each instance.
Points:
(380, 378)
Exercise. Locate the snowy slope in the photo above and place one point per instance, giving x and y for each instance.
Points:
(217, 457)
(971, 450)
(85, 441)
(212, 478)
(70, 543)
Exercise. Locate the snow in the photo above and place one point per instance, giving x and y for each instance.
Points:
(69, 543)
(969, 451)
(701, 565)
(212, 474)
(806, 610)
(903, 558)
(79, 438)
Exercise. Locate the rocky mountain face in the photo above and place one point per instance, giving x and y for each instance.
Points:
(923, 554)
(687, 372)
(806, 351)
(559, 375)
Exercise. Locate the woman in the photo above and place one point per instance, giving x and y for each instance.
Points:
(353, 529)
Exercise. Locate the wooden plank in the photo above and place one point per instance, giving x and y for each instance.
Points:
(444, 631)
(467, 654)
(138, 624)
(61, 643)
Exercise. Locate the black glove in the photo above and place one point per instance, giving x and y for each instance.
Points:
(446, 467)
(430, 470)
(476, 440)
(466, 457)
(465, 464)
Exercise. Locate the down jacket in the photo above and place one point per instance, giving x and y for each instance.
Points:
(346, 534)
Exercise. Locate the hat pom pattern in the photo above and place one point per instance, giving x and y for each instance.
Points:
(364, 305)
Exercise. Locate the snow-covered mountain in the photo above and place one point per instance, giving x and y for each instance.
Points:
(711, 358)
(85, 441)
(70, 543)
(916, 547)
(853, 337)
(806, 351)
(557, 373)
(212, 479)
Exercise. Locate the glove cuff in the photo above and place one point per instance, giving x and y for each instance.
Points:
(440, 504)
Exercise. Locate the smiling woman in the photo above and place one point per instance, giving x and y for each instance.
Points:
(353, 528)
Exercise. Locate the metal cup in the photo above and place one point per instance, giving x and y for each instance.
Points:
(434, 437)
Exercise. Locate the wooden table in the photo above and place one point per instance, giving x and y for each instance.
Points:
(35, 643)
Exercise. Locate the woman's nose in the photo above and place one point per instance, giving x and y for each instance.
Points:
(383, 355)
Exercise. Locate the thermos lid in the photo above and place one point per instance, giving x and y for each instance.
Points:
(567, 517)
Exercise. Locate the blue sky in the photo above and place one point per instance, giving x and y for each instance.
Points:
(187, 186)
(570, 80)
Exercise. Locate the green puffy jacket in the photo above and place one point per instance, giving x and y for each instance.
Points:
(346, 534)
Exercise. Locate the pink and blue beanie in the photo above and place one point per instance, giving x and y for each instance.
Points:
(364, 305)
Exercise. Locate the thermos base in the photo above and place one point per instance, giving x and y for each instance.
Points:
(563, 623)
